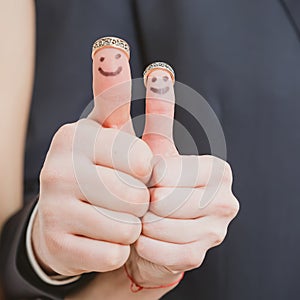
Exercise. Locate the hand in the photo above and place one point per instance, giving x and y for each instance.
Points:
(93, 190)
(191, 199)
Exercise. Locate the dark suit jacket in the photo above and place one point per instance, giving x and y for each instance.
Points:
(244, 58)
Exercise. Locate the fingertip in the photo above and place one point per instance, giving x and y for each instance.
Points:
(160, 93)
(160, 105)
(110, 67)
(112, 83)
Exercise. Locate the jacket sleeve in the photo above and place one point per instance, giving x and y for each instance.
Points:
(18, 278)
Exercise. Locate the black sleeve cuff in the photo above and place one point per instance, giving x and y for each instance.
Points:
(18, 278)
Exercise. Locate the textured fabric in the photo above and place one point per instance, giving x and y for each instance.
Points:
(293, 10)
(244, 58)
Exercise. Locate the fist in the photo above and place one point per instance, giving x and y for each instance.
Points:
(191, 202)
(92, 184)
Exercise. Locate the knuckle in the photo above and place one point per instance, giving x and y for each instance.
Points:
(51, 174)
(64, 136)
(216, 236)
(223, 209)
(57, 170)
(66, 130)
(130, 233)
(220, 170)
(193, 258)
(117, 256)
(235, 206)
(227, 172)
(208, 158)
(227, 209)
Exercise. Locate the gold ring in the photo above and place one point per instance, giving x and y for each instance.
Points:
(111, 42)
(158, 66)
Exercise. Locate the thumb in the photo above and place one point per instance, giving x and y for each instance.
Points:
(112, 84)
(160, 102)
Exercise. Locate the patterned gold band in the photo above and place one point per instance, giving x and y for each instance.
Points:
(158, 66)
(111, 42)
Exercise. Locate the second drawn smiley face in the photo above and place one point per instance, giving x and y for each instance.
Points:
(162, 90)
(107, 73)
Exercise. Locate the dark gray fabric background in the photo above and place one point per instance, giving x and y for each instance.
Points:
(244, 58)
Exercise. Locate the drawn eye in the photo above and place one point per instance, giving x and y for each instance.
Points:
(118, 56)
(165, 78)
(154, 79)
(102, 58)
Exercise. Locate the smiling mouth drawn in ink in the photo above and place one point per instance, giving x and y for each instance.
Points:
(160, 91)
(110, 73)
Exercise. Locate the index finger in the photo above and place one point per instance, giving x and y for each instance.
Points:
(112, 83)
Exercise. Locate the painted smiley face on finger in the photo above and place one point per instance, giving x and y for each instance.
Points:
(160, 90)
(110, 63)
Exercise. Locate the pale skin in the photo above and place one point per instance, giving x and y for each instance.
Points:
(17, 27)
(17, 31)
(74, 232)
